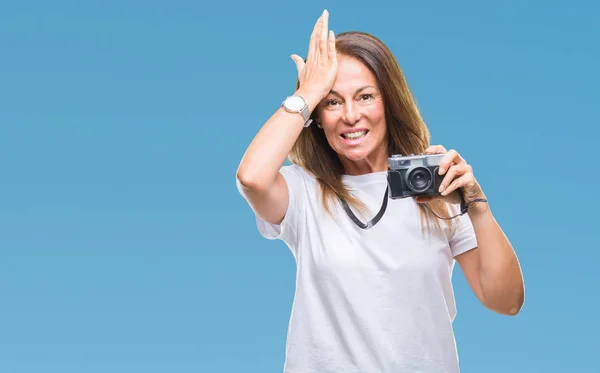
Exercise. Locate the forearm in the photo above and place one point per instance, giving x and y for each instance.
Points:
(272, 144)
(500, 273)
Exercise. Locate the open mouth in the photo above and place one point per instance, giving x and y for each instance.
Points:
(354, 135)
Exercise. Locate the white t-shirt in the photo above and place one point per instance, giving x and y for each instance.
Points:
(376, 300)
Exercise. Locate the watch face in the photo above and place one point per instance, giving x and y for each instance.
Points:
(294, 103)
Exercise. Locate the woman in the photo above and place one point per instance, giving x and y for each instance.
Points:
(377, 299)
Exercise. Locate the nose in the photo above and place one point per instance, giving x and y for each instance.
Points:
(351, 113)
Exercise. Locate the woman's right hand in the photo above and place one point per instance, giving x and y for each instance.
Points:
(317, 74)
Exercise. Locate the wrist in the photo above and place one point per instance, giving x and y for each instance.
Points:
(478, 207)
(312, 98)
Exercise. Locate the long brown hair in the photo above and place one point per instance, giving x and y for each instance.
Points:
(406, 130)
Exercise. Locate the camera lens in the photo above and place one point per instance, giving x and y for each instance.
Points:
(419, 179)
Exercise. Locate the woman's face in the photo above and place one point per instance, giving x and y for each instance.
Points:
(353, 119)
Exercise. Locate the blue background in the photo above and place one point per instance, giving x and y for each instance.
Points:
(125, 247)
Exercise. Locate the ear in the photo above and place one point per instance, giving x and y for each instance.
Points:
(318, 120)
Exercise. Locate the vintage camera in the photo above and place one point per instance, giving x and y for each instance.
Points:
(414, 175)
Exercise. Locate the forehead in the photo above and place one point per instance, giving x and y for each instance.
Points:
(352, 74)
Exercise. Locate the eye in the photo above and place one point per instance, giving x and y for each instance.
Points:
(366, 96)
(331, 102)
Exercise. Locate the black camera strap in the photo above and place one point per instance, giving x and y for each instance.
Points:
(464, 207)
(373, 221)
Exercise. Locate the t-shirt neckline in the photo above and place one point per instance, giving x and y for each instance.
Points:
(380, 176)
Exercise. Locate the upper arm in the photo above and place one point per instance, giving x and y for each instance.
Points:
(269, 204)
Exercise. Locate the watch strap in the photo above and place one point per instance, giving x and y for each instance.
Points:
(306, 115)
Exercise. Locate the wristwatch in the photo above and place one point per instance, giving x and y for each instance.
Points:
(296, 104)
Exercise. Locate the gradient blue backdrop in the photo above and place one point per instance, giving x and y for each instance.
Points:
(125, 247)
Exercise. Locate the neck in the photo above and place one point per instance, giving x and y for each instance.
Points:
(373, 163)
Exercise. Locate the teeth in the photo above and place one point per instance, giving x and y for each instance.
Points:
(355, 135)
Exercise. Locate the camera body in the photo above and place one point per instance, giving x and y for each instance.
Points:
(414, 175)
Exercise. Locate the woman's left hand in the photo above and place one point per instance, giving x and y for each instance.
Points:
(458, 174)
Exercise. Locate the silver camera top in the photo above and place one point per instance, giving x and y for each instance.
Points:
(398, 161)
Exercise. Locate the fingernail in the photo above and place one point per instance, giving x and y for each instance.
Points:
(442, 187)
(441, 170)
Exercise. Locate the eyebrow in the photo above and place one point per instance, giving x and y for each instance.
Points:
(357, 91)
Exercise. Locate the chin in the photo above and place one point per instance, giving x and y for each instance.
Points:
(357, 155)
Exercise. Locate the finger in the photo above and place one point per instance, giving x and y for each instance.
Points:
(299, 63)
(312, 47)
(332, 51)
(453, 172)
(435, 149)
(466, 180)
(324, 32)
(451, 156)
(444, 167)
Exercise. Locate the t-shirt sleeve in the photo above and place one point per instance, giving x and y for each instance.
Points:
(463, 237)
(288, 228)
